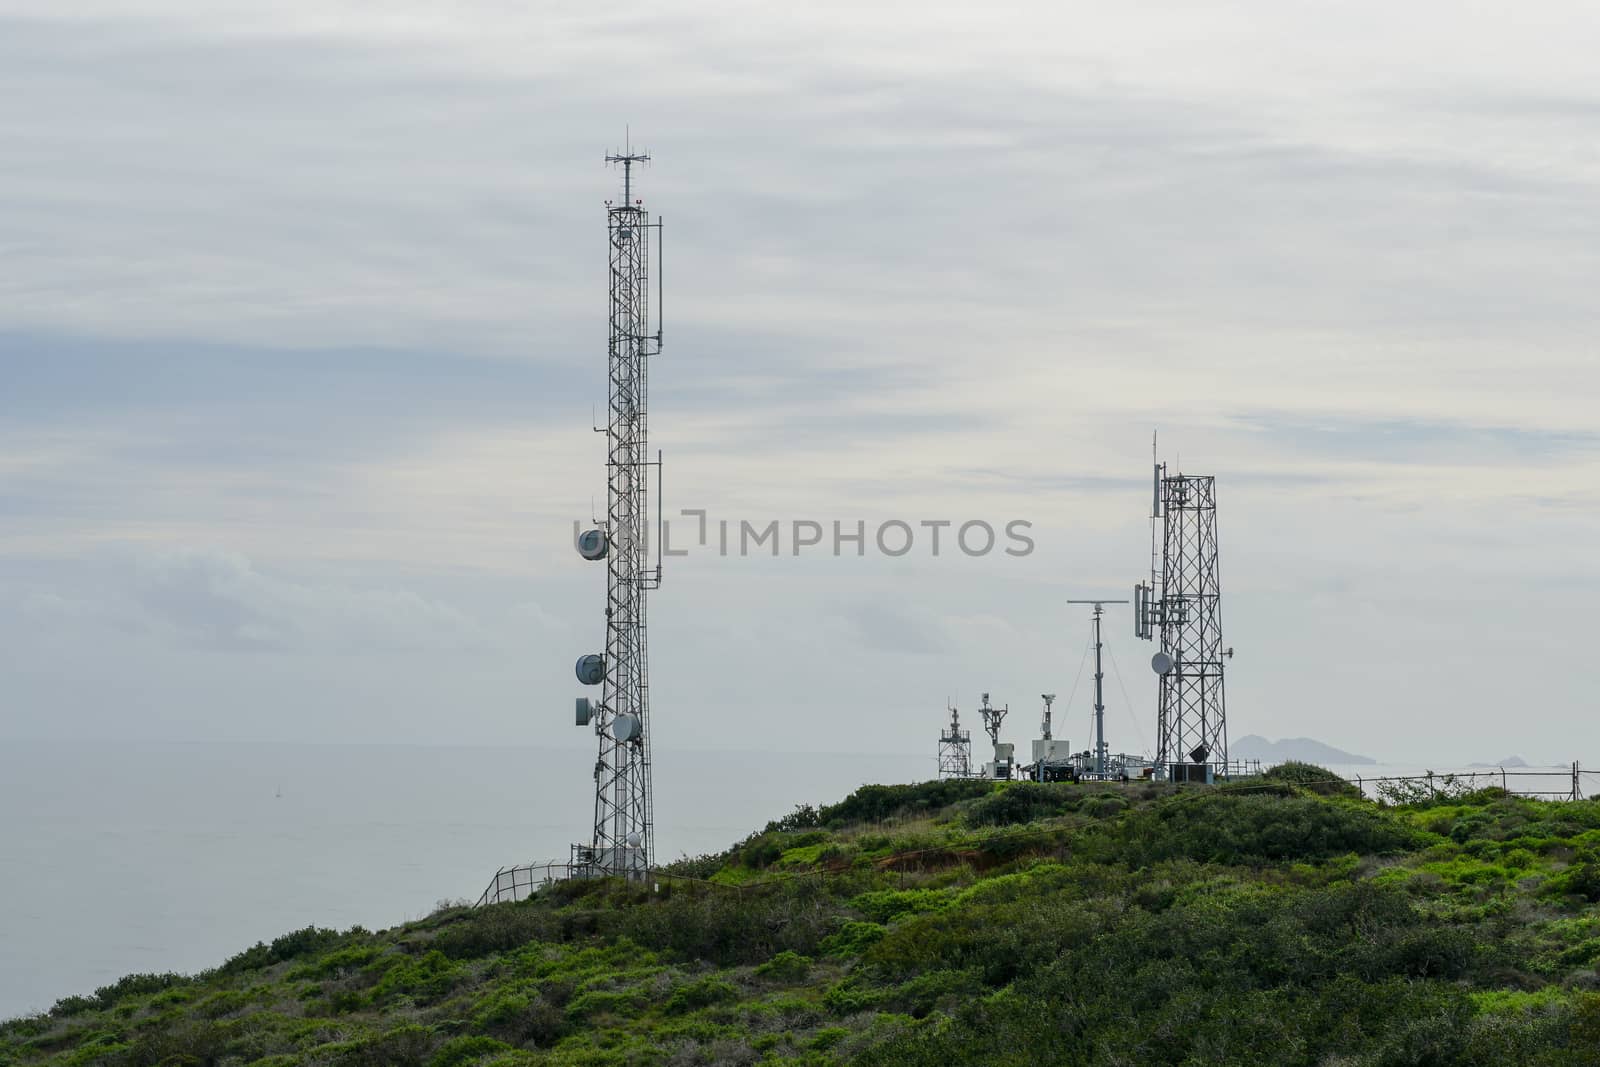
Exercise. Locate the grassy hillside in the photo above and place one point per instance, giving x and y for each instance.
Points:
(955, 922)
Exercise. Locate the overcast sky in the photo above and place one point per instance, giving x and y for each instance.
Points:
(302, 326)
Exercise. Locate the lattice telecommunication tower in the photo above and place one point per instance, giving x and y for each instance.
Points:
(1182, 608)
(955, 749)
(624, 820)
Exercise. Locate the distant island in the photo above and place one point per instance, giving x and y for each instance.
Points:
(1509, 761)
(1254, 746)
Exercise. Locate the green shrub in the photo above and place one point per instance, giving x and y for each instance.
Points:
(999, 940)
(522, 1015)
(877, 803)
(179, 1044)
(76, 1004)
(1103, 806)
(701, 867)
(223, 1002)
(1022, 802)
(1431, 953)
(761, 851)
(1311, 777)
(310, 941)
(828, 1037)
(350, 958)
(133, 985)
(850, 996)
(1579, 880)
(942, 989)
(786, 966)
(1469, 826)
(464, 1050)
(624, 1002)
(500, 1009)
(404, 1046)
(424, 979)
(701, 993)
(887, 905)
(1234, 828)
(500, 928)
(728, 928)
(1581, 954)
(93, 1049)
(803, 817)
(852, 939)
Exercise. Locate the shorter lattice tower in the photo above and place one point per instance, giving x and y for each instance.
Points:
(955, 749)
(1181, 607)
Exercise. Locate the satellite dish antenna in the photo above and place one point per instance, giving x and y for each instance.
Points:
(592, 545)
(591, 669)
(584, 711)
(625, 727)
(1161, 662)
(634, 839)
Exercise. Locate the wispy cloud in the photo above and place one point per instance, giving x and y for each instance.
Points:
(220, 601)
(303, 312)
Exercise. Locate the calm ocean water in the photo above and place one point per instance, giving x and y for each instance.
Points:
(116, 859)
(155, 857)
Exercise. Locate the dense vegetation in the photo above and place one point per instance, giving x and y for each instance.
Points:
(1275, 921)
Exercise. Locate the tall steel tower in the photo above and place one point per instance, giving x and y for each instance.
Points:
(955, 749)
(624, 823)
(1183, 603)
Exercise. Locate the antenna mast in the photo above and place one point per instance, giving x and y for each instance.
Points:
(1100, 748)
(992, 718)
(624, 820)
